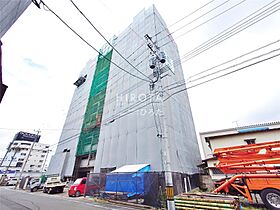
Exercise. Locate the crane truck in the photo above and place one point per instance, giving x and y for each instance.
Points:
(254, 169)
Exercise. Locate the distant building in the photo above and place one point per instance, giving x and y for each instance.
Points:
(244, 135)
(105, 129)
(17, 152)
(10, 11)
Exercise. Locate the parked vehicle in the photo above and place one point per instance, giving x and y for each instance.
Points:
(250, 169)
(54, 185)
(78, 187)
(11, 182)
(35, 184)
(256, 168)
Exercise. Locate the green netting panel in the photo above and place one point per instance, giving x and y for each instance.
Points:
(92, 119)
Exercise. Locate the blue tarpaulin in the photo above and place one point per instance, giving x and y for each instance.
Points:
(253, 129)
(128, 179)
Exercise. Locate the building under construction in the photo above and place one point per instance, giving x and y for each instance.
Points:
(113, 119)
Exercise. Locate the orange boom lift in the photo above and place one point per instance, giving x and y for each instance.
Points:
(255, 168)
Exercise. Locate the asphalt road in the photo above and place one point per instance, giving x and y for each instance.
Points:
(11, 199)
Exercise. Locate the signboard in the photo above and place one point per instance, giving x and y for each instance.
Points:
(24, 136)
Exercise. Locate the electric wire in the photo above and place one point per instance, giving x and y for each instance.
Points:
(203, 23)
(113, 117)
(138, 103)
(223, 75)
(168, 87)
(186, 16)
(234, 65)
(155, 120)
(224, 69)
(255, 50)
(170, 95)
(224, 32)
(76, 33)
(199, 17)
(107, 40)
(226, 35)
(141, 78)
(217, 42)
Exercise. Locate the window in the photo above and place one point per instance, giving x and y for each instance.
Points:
(19, 164)
(26, 144)
(42, 156)
(83, 181)
(80, 81)
(15, 143)
(47, 146)
(250, 141)
(39, 166)
(23, 154)
(107, 170)
(32, 166)
(41, 161)
(20, 159)
(216, 171)
(44, 151)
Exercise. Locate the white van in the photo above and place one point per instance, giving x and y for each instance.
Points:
(11, 182)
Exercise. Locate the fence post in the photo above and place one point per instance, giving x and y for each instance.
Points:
(116, 196)
(189, 182)
(136, 188)
(85, 192)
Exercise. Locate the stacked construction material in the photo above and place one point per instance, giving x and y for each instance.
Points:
(206, 201)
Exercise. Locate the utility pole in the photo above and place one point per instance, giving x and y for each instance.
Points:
(24, 164)
(157, 59)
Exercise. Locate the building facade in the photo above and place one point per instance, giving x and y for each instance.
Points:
(17, 153)
(251, 134)
(10, 11)
(111, 120)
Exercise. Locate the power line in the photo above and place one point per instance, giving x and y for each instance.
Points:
(226, 35)
(275, 50)
(125, 110)
(107, 40)
(221, 64)
(206, 13)
(155, 120)
(227, 32)
(185, 16)
(119, 115)
(220, 76)
(262, 47)
(201, 24)
(224, 69)
(89, 43)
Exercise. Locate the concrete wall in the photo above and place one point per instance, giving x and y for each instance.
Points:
(10, 11)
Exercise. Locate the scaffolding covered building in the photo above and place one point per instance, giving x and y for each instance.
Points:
(111, 120)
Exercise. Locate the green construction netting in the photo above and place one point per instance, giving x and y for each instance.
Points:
(92, 119)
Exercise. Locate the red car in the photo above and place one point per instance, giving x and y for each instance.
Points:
(78, 187)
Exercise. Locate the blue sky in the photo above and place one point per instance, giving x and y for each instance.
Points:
(42, 59)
